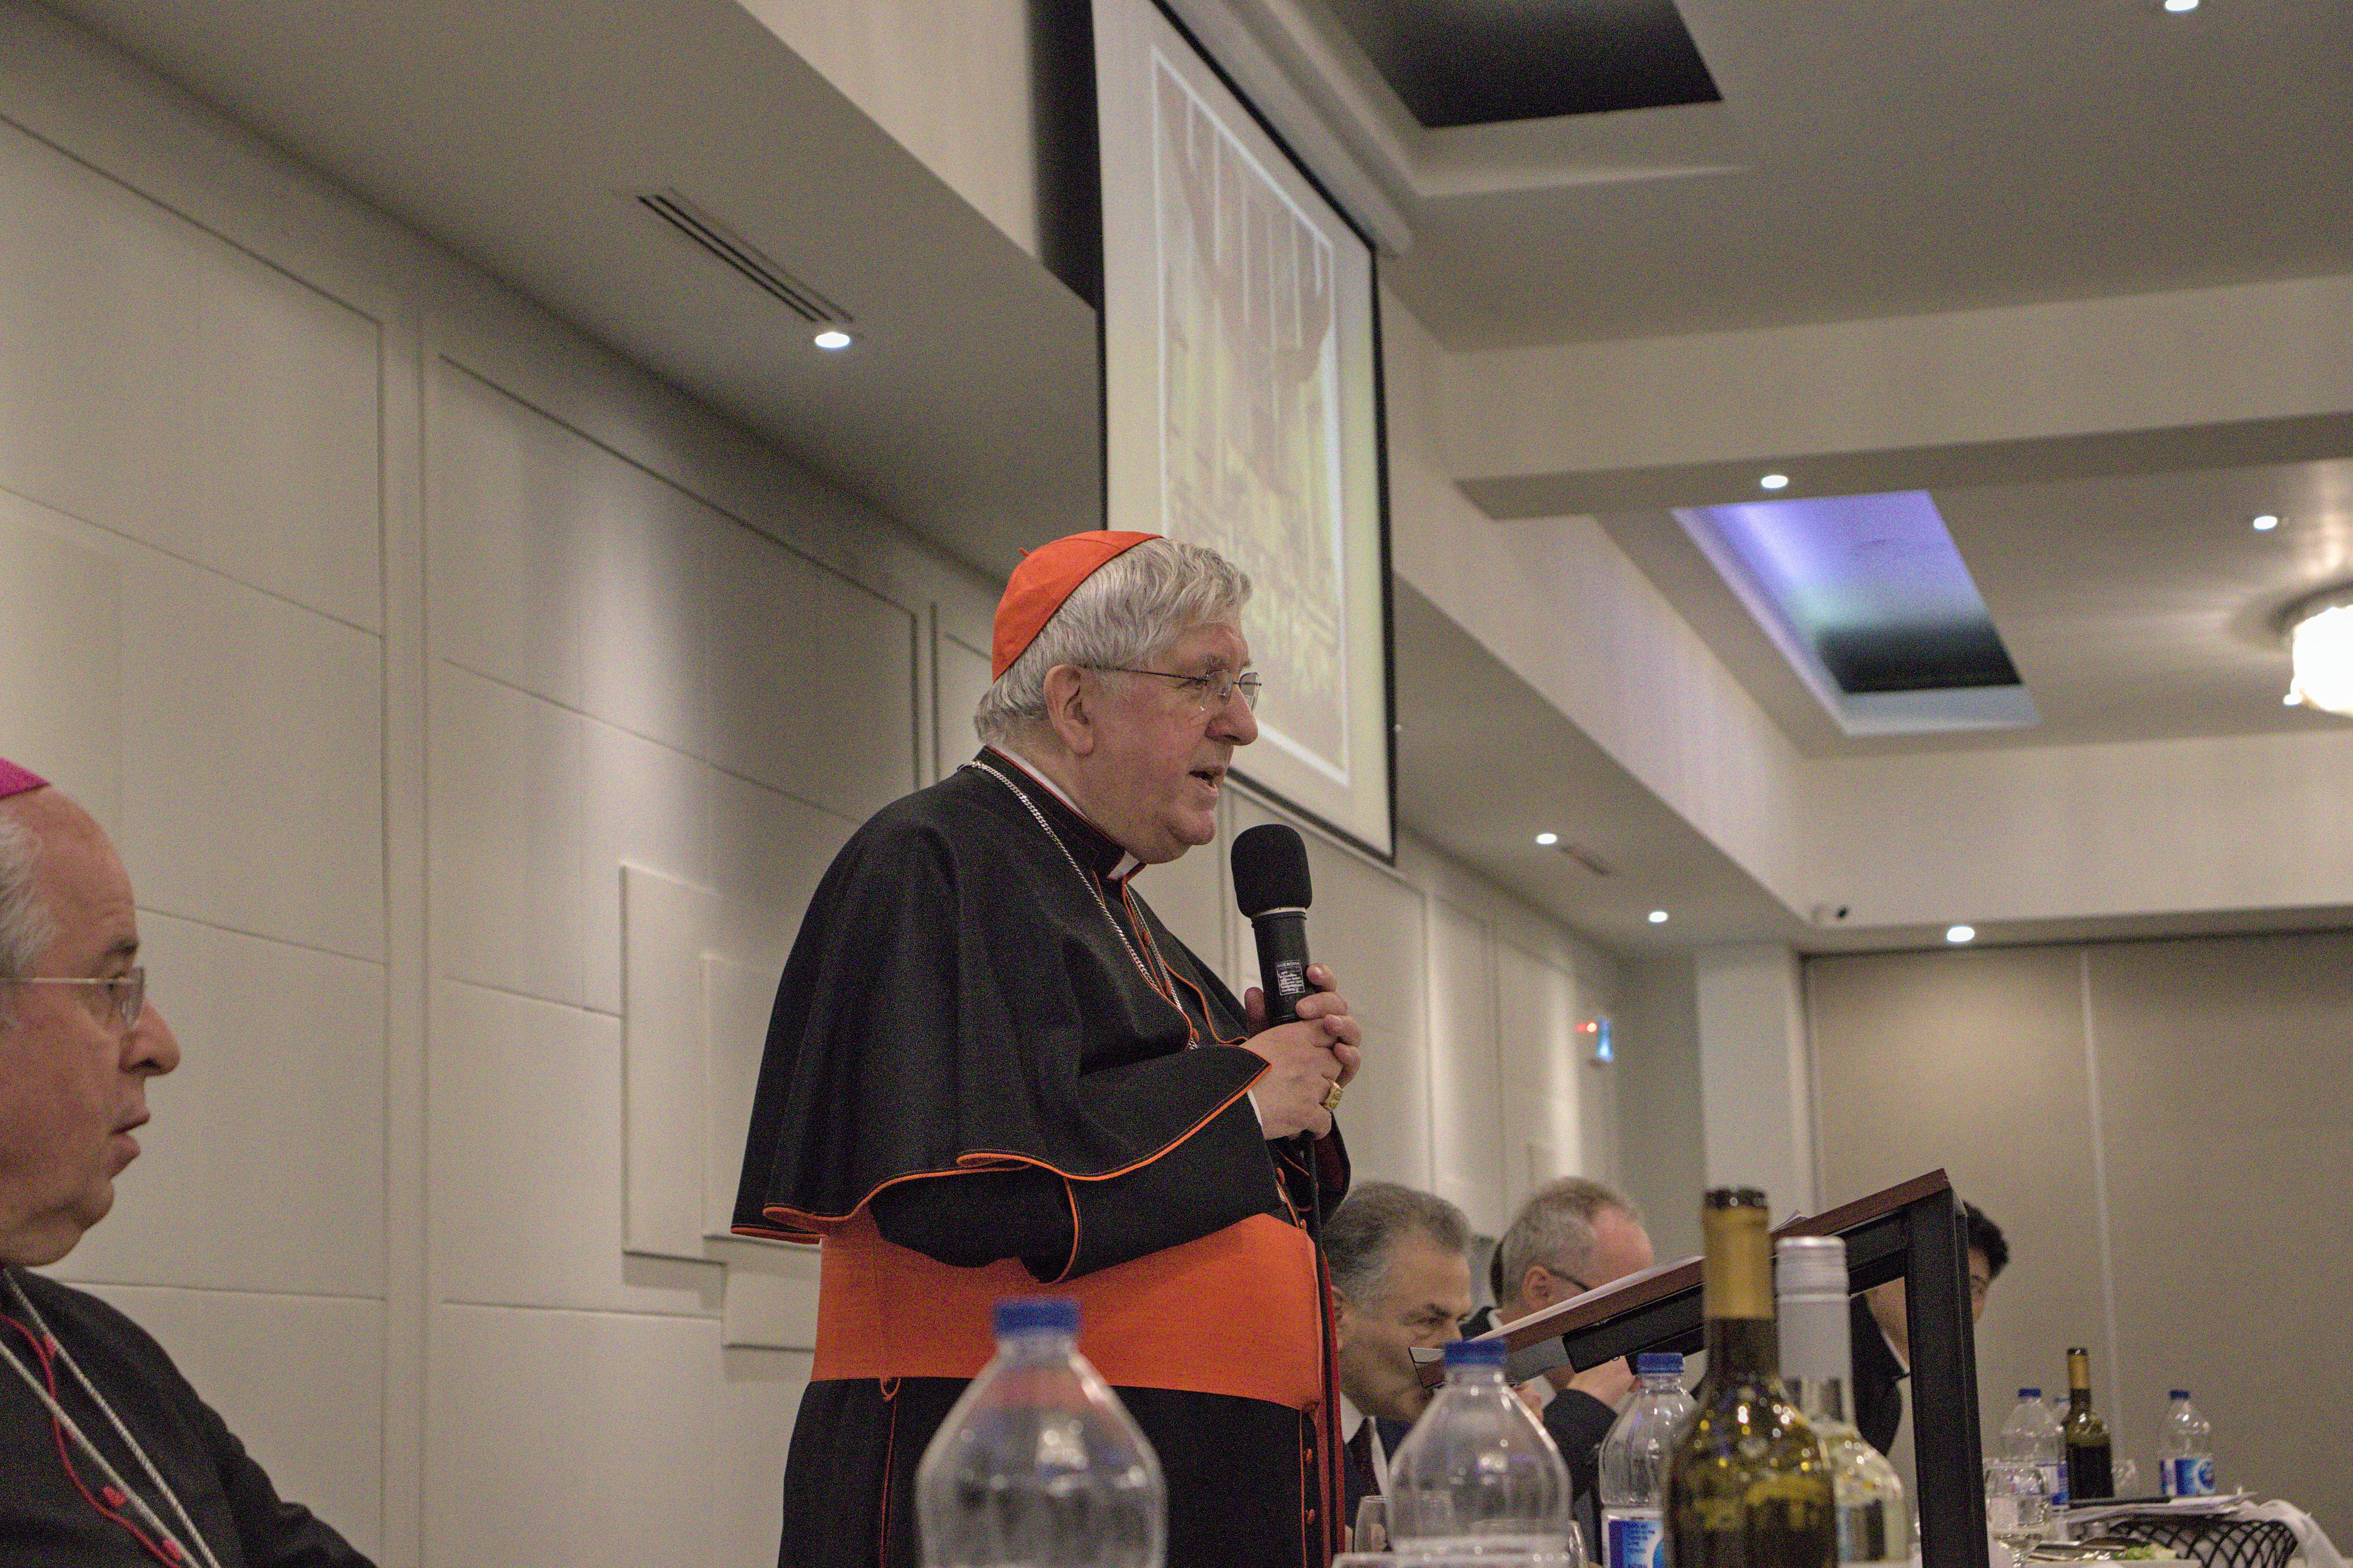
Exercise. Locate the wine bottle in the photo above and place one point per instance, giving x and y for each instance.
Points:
(2088, 1473)
(1749, 1486)
(1816, 1355)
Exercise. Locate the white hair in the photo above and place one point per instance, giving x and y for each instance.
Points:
(1554, 1228)
(26, 926)
(1132, 610)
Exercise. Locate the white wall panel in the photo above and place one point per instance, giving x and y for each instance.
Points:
(642, 805)
(667, 927)
(771, 1294)
(1542, 1113)
(813, 678)
(1756, 1079)
(685, 1442)
(767, 854)
(211, 406)
(733, 1038)
(1193, 897)
(97, 291)
(962, 675)
(506, 570)
(1466, 1127)
(510, 900)
(262, 722)
(526, 1162)
(289, 496)
(859, 701)
(282, 1071)
(298, 1379)
(646, 550)
(61, 600)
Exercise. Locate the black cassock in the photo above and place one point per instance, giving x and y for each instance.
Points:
(45, 1521)
(991, 1071)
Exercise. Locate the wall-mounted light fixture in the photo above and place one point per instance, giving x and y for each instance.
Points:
(2319, 631)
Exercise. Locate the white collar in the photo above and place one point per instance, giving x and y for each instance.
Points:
(1128, 864)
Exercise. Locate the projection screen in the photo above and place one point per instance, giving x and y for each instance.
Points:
(1241, 402)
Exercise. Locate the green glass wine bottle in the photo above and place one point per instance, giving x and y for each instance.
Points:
(2089, 1473)
(1749, 1486)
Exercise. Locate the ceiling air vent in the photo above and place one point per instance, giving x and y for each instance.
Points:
(1589, 859)
(742, 254)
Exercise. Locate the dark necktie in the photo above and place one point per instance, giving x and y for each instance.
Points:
(1360, 1454)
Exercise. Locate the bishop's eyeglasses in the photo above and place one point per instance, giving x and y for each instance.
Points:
(126, 993)
(1212, 691)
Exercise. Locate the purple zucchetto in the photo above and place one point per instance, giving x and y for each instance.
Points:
(14, 780)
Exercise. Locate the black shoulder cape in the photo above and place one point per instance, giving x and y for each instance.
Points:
(964, 996)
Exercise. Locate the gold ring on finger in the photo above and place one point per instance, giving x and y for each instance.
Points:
(1332, 1098)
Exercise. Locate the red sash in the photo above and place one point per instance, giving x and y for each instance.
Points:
(1235, 1312)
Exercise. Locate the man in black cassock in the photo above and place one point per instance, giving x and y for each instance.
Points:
(108, 1458)
(991, 1071)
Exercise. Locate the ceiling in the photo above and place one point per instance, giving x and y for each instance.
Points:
(969, 409)
(1901, 159)
(2136, 608)
(1868, 159)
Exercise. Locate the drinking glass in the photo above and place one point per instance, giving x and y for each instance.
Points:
(2018, 1509)
(2125, 1478)
(1372, 1531)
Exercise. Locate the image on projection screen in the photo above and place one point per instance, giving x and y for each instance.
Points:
(1250, 444)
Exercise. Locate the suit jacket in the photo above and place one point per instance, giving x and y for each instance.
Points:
(1878, 1379)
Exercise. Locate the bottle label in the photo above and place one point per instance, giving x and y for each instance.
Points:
(2188, 1477)
(1633, 1538)
(2054, 1482)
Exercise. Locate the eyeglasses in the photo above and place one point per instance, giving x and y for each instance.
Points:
(1212, 691)
(126, 993)
(1582, 1285)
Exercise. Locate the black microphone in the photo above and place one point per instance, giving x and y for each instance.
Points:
(1271, 884)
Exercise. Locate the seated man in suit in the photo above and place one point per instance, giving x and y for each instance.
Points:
(1882, 1331)
(107, 1456)
(1400, 1280)
(1573, 1234)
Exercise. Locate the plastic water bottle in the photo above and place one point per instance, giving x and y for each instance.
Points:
(2032, 1433)
(1477, 1472)
(2185, 1450)
(1039, 1465)
(1634, 1463)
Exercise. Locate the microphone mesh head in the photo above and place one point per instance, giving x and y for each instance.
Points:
(1270, 870)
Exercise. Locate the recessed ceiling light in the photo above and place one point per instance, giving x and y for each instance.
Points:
(833, 337)
(1960, 933)
(2265, 522)
(2293, 700)
(1658, 917)
(1547, 838)
(1774, 482)
(2178, 6)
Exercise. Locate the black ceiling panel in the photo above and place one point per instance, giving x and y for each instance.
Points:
(1473, 62)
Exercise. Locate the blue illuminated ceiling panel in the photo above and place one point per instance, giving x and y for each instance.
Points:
(1869, 601)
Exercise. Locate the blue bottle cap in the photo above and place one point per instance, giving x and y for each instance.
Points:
(1473, 1352)
(2029, 1393)
(2179, 1394)
(1026, 1314)
(1658, 1363)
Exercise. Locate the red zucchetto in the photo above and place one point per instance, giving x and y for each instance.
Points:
(14, 780)
(1044, 579)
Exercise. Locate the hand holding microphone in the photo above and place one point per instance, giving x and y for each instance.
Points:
(1298, 1023)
